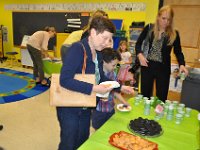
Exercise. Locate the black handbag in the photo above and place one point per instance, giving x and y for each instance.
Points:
(146, 43)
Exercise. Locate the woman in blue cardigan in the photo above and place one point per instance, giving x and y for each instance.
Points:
(156, 61)
(75, 121)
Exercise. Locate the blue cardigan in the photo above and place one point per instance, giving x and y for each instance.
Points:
(73, 63)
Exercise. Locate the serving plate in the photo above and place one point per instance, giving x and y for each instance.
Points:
(126, 141)
(145, 128)
(123, 108)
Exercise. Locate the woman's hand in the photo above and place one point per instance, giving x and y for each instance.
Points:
(127, 89)
(183, 69)
(121, 99)
(143, 60)
(101, 89)
(126, 103)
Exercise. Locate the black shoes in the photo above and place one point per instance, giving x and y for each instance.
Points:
(37, 82)
(47, 84)
(1, 127)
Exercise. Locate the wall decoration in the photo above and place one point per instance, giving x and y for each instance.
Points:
(126, 6)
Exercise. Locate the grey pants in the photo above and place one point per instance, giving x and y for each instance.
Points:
(36, 57)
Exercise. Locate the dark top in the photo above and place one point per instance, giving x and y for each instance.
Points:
(166, 49)
(73, 63)
(85, 34)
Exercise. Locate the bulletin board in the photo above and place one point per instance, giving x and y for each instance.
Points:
(26, 23)
(118, 23)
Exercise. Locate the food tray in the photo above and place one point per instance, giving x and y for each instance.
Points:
(121, 108)
(126, 141)
(145, 127)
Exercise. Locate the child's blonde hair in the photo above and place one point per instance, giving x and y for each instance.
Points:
(121, 43)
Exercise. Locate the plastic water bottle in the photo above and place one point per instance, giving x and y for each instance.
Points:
(170, 112)
(137, 101)
(182, 76)
(147, 107)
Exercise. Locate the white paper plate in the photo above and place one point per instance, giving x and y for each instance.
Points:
(58, 59)
(46, 58)
(123, 109)
(112, 84)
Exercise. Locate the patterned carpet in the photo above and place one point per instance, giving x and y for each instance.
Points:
(16, 86)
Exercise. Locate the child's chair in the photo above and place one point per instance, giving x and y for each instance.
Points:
(12, 60)
(1, 57)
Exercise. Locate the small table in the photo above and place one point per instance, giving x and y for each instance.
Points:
(25, 57)
(50, 66)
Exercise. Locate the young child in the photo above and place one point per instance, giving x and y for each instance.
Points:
(105, 107)
(125, 64)
(176, 77)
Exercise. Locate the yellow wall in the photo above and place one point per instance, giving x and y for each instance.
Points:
(127, 16)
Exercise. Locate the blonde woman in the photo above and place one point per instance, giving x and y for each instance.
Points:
(157, 64)
(94, 14)
(80, 34)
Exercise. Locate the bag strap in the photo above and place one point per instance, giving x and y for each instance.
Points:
(84, 58)
(149, 35)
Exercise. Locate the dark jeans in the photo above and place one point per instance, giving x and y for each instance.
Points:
(158, 72)
(36, 57)
(99, 118)
(74, 127)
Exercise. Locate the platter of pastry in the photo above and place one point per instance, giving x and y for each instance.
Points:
(126, 141)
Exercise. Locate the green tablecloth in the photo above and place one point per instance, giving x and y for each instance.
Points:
(175, 137)
(51, 66)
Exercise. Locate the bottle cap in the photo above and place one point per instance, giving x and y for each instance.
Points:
(148, 101)
(171, 107)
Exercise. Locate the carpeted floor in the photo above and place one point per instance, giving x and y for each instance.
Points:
(16, 85)
(30, 124)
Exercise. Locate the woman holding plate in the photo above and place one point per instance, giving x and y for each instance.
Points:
(75, 121)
